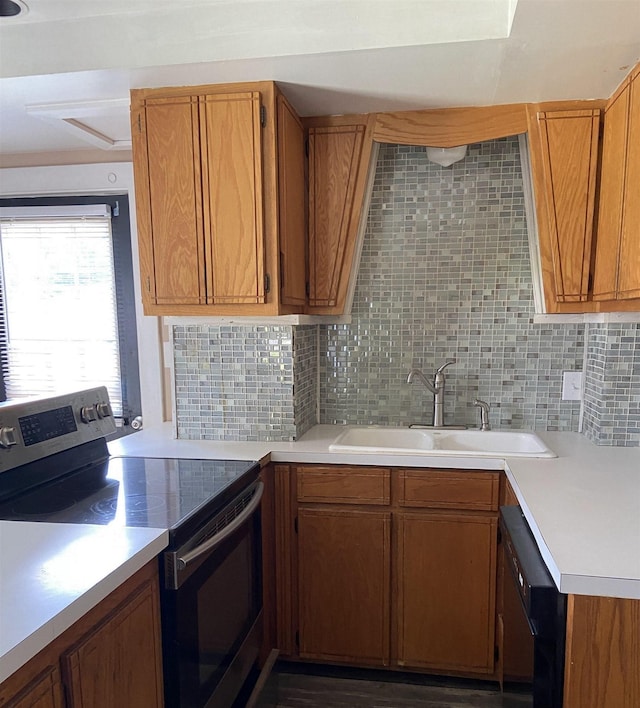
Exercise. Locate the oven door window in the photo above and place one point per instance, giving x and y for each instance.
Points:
(211, 614)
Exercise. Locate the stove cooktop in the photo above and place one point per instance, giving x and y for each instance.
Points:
(173, 494)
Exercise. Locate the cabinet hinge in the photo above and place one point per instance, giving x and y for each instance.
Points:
(267, 283)
(307, 288)
(263, 116)
(139, 123)
(148, 284)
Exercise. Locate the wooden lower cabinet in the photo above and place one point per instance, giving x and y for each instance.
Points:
(446, 570)
(117, 664)
(45, 691)
(344, 582)
(378, 578)
(602, 658)
(111, 658)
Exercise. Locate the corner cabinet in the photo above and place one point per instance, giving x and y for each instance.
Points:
(388, 567)
(564, 164)
(617, 259)
(341, 166)
(217, 171)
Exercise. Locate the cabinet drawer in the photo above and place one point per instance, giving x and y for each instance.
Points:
(344, 485)
(445, 489)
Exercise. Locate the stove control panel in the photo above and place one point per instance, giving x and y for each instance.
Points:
(36, 428)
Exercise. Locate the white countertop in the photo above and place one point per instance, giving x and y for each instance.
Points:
(583, 506)
(53, 574)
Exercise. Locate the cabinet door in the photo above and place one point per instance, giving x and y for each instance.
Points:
(344, 585)
(446, 570)
(629, 270)
(168, 196)
(231, 143)
(120, 663)
(338, 169)
(292, 189)
(565, 169)
(45, 691)
(607, 255)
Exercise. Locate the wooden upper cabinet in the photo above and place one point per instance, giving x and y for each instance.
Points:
(339, 167)
(292, 188)
(231, 146)
(206, 166)
(564, 162)
(617, 258)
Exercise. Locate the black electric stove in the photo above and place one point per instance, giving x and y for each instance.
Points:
(55, 467)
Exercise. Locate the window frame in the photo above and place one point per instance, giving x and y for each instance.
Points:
(124, 286)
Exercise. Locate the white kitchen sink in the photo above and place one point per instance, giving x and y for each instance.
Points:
(421, 441)
(503, 443)
(383, 439)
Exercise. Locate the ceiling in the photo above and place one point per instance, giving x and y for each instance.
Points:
(66, 66)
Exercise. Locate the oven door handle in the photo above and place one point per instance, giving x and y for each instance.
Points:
(183, 561)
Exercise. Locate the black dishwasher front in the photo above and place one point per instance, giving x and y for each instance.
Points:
(543, 605)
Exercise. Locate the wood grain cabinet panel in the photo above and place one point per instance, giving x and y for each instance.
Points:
(110, 658)
(344, 585)
(446, 591)
(564, 162)
(448, 489)
(292, 216)
(602, 659)
(120, 662)
(45, 691)
(339, 162)
(617, 256)
(343, 485)
(219, 174)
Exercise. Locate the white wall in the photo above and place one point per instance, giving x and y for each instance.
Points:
(105, 178)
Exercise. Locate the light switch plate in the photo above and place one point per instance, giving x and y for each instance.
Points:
(572, 386)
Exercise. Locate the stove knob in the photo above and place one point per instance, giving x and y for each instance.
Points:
(88, 414)
(8, 437)
(103, 410)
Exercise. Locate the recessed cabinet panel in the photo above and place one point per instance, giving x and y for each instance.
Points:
(446, 596)
(612, 186)
(334, 158)
(231, 137)
(569, 152)
(292, 187)
(344, 585)
(177, 261)
(629, 273)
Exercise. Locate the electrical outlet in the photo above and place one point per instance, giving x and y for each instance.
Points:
(572, 386)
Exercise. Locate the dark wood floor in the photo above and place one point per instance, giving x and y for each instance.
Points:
(295, 690)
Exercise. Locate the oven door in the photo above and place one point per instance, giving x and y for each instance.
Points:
(212, 608)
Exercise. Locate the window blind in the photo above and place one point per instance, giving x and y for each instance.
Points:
(59, 324)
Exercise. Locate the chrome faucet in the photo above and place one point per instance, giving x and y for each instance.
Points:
(484, 414)
(436, 388)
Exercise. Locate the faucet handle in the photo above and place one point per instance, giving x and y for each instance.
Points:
(440, 369)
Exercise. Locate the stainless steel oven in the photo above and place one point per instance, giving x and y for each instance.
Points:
(542, 606)
(212, 607)
(55, 467)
